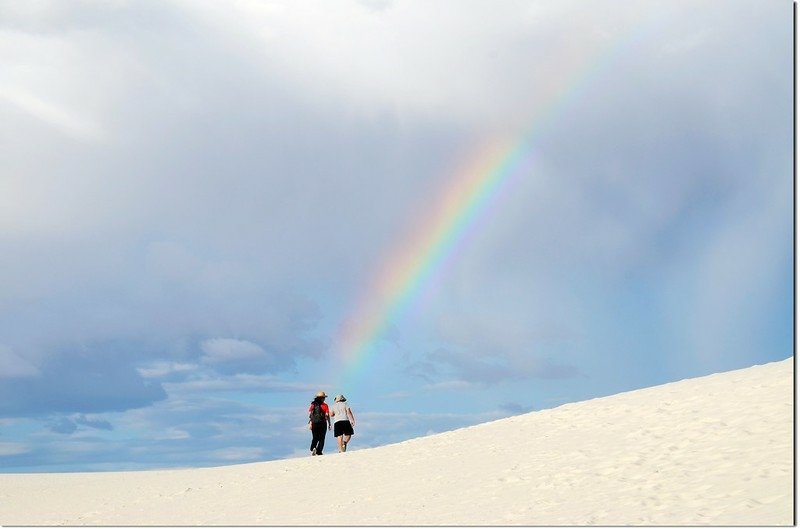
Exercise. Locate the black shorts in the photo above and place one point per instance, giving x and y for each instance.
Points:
(342, 428)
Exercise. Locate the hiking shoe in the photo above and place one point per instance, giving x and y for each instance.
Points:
(313, 451)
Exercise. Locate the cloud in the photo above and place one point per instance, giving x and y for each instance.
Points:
(12, 449)
(14, 366)
(489, 347)
(553, 370)
(515, 408)
(86, 383)
(51, 16)
(70, 425)
(237, 382)
(63, 426)
(98, 424)
(733, 282)
(485, 368)
(235, 356)
(65, 120)
(449, 385)
(472, 367)
(377, 5)
(165, 370)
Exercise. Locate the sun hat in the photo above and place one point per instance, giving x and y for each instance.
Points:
(321, 394)
(339, 398)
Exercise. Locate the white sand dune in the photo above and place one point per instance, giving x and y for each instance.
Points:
(712, 450)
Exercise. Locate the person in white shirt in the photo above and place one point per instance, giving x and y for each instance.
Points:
(343, 421)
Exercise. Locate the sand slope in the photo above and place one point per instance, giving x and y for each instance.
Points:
(712, 450)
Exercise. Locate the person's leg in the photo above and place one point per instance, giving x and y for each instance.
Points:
(321, 442)
(337, 432)
(347, 432)
(318, 440)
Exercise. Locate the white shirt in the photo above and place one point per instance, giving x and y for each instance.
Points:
(339, 411)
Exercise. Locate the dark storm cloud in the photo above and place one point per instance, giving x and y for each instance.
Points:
(63, 426)
(69, 425)
(98, 424)
(79, 382)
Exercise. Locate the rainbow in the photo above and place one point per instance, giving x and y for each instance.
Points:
(463, 204)
(414, 262)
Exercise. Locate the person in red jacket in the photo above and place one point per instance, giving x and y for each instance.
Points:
(318, 416)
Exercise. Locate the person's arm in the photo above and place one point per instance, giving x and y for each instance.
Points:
(352, 417)
(327, 416)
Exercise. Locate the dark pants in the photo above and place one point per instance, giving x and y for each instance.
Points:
(318, 432)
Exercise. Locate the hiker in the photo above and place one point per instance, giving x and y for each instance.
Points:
(343, 422)
(318, 415)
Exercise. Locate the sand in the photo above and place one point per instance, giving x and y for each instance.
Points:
(713, 450)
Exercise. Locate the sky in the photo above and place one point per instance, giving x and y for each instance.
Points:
(451, 212)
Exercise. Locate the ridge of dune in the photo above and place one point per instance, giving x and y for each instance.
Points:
(714, 450)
